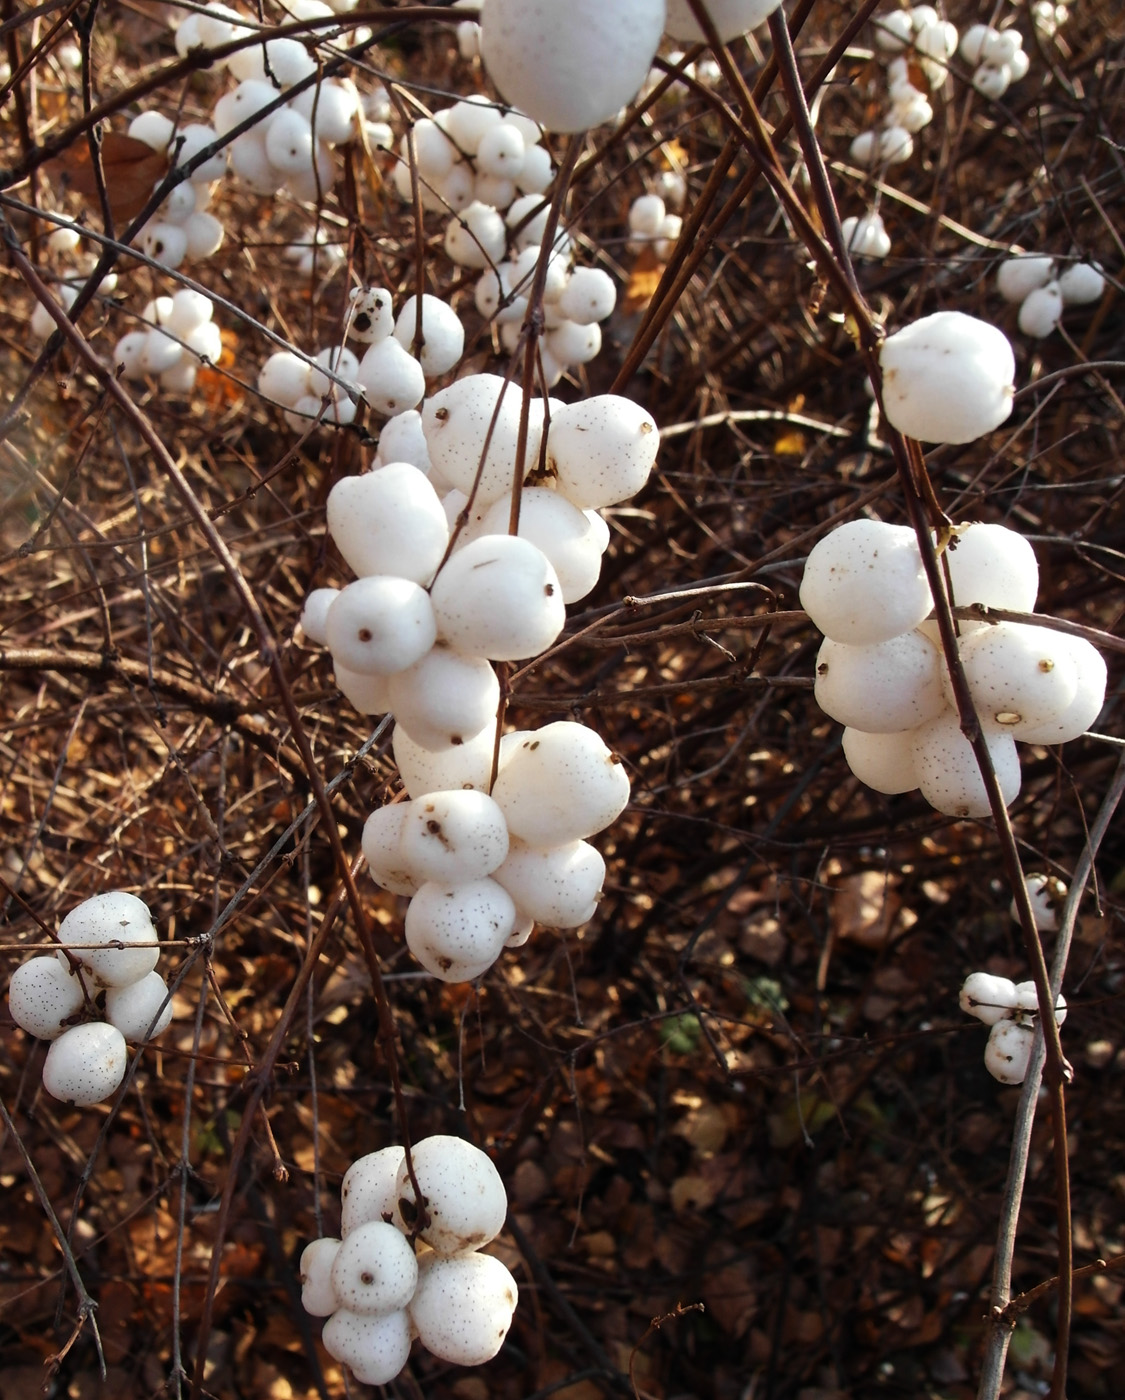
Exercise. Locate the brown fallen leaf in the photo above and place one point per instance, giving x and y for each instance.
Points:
(131, 169)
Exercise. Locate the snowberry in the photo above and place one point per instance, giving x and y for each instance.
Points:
(129, 354)
(476, 237)
(1018, 674)
(153, 128)
(379, 625)
(189, 141)
(1089, 696)
(375, 1349)
(374, 1270)
(864, 583)
(402, 440)
(457, 421)
(498, 597)
(392, 380)
(570, 343)
(864, 149)
(988, 998)
(536, 172)
(457, 932)
(1081, 283)
(1027, 1002)
(500, 151)
(893, 31)
(602, 450)
(464, 1196)
(434, 152)
(463, 766)
(389, 521)
(730, 17)
(947, 378)
(93, 928)
(566, 535)
(204, 234)
(559, 784)
(142, 1009)
(331, 108)
(369, 694)
(85, 1064)
(1041, 311)
(454, 836)
(866, 237)
(992, 80)
(369, 1189)
(884, 762)
(1046, 893)
(442, 334)
(558, 886)
(570, 66)
(993, 565)
(382, 849)
(464, 1305)
(445, 698)
(948, 774)
(372, 317)
(646, 216)
(589, 295)
(42, 995)
(882, 688)
(895, 145)
(284, 378)
(318, 1297)
(1008, 1052)
(188, 310)
(467, 121)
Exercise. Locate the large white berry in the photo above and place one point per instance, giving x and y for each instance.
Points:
(559, 784)
(499, 597)
(464, 1306)
(91, 930)
(993, 565)
(883, 688)
(988, 998)
(947, 378)
(730, 17)
(369, 1188)
(464, 765)
(602, 450)
(464, 1196)
(884, 762)
(1018, 674)
(389, 521)
(315, 1272)
(42, 995)
(457, 932)
(374, 1270)
(570, 66)
(375, 1349)
(454, 836)
(558, 886)
(444, 699)
(380, 625)
(947, 769)
(141, 1010)
(85, 1064)
(1008, 1051)
(864, 583)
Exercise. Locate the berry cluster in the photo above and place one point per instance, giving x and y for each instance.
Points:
(880, 671)
(105, 967)
(444, 591)
(180, 337)
(399, 1271)
(1042, 290)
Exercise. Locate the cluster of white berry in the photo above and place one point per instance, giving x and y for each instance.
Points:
(442, 592)
(183, 228)
(399, 1271)
(651, 225)
(65, 239)
(1049, 16)
(180, 336)
(996, 57)
(106, 966)
(931, 42)
(880, 670)
(1042, 289)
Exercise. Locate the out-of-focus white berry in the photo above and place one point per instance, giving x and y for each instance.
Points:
(1046, 893)
(1081, 283)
